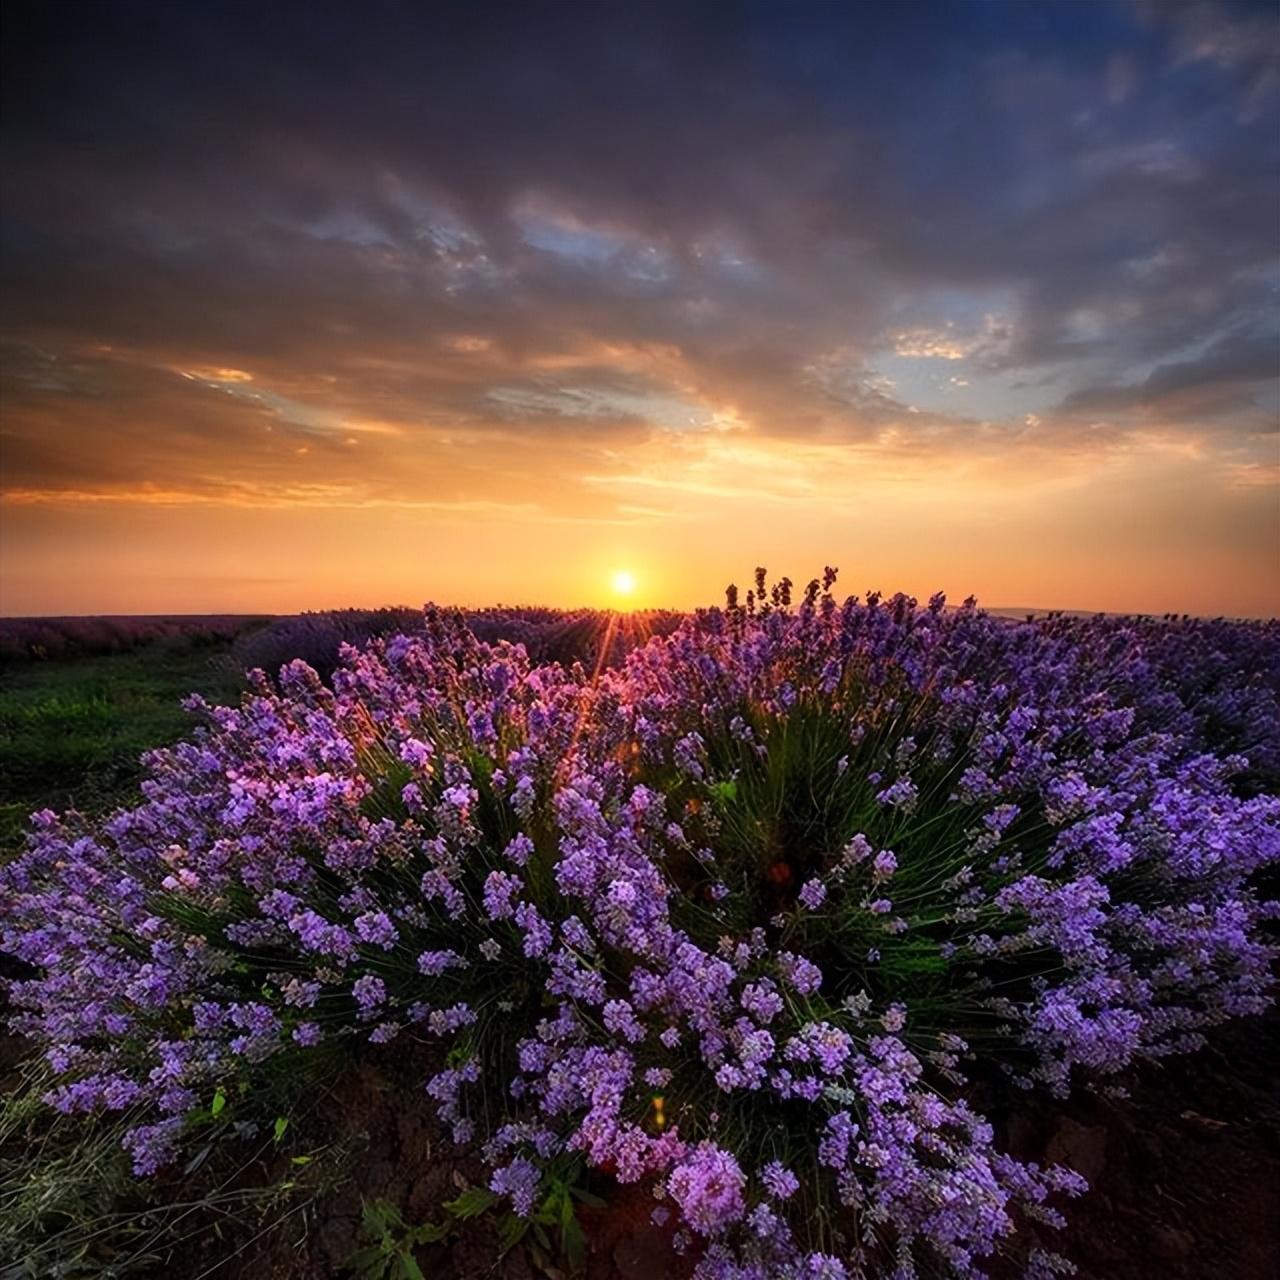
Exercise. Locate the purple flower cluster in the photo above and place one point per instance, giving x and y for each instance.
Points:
(707, 1186)
(758, 902)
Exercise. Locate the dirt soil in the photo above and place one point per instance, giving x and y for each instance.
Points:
(1185, 1174)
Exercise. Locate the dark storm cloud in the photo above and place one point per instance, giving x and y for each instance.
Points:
(594, 223)
(1222, 381)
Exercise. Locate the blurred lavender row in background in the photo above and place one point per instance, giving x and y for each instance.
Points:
(591, 636)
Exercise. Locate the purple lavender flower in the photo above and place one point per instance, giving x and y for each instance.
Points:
(762, 1001)
(520, 849)
(370, 992)
(707, 1186)
(518, 1181)
(824, 1266)
(537, 932)
(620, 1018)
(900, 795)
(803, 975)
(779, 1181)
(153, 1146)
(499, 889)
(375, 927)
(433, 963)
(813, 893)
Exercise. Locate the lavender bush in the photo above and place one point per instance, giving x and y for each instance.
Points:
(742, 920)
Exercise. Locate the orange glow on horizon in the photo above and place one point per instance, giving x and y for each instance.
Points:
(1139, 525)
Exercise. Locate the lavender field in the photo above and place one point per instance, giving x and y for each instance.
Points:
(625, 912)
(803, 936)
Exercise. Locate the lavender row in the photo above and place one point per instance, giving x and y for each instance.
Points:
(37, 639)
(589, 636)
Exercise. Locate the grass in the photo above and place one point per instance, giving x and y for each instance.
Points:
(71, 1210)
(72, 730)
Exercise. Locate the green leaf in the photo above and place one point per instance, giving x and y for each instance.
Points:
(408, 1267)
(282, 1123)
(430, 1233)
(575, 1243)
(915, 958)
(376, 1217)
(471, 1203)
(219, 1101)
(301, 1159)
(368, 1261)
(459, 1054)
(587, 1198)
(511, 1231)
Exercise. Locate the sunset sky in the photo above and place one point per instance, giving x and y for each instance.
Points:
(309, 305)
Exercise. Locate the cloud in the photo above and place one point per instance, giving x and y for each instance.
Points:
(326, 196)
(1240, 38)
(1220, 383)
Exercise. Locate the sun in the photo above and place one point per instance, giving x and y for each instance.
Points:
(624, 583)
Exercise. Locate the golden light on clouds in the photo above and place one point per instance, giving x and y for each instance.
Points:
(665, 522)
(215, 375)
